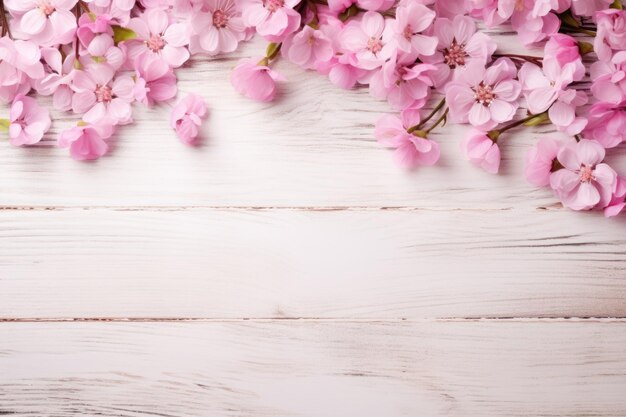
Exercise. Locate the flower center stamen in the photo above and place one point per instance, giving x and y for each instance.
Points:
(104, 94)
(408, 32)
(484, 94)
(46, 8)
(155, 43)
(220, 19)
(374, 45)
(586, 173)
(273, 5)
(455, 54)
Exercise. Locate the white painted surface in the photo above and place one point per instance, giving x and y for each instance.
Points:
(293, 211)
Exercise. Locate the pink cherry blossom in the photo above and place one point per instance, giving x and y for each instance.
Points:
(402, 82)
(482, 97)
(86, 141)
(493, 12)
(101, 50)
(412, 18)
(410, 150)
(540, 161)
(28, 121)
(56, 82)
(156, 35)
(154, 80)
(308, 48)
(609, 78)
(546, 90)
(102, 98)
(589, 7)
(458, 45)
(273, 19)
(481, 151)
(45, 22)
(607, 123)
(375, 5)
(187, 116)
(533, 28)
(584, 182)
(219, 29)
(19, 66)
(618, 200)
(365, 40)
(611, 34)
(564, 49)
(255, 80)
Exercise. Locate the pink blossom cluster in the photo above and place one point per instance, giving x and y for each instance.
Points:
(408, 52)
(100, 58)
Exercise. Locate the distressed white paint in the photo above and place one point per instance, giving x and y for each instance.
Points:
(314, 369)
(305, 263)
(292, 210)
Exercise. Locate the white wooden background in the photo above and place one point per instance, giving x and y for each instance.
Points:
(286, 267)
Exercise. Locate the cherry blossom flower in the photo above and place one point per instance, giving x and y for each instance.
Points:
(187, 117)
(28, 121)
(546, 90)
(365, 40)
(102, 51)
(402, 82)
(154, 80)
(482, 97)
(412, 18)
(102, 98)
(156, 35)
(411, 150)
(273, 19)
(618, 200)
(607, 123)
(19, 66)
(45, 22)
(219, 29)
(611, 34)
(458, 45)
(609, 78)
(584, 182)
(86, 141)
(56, 82)
(255, 80)
(540, 161)
(308, 48)
(481, 151)
(589, 7)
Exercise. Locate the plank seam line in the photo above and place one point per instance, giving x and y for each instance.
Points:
(258, 208)
(310, 319)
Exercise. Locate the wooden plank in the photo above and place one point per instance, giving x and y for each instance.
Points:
(316, 369)
(221, 263)
(314, 147)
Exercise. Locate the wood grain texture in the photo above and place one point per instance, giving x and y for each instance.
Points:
(302, 263)
(314, 369)
(313, 147)
(289, 211)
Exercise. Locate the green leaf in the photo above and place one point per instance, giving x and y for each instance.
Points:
(617, 4)
(121, 34)
(4, 124)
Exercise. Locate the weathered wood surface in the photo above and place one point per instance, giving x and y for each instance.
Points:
(291, 211)
(303, 263)
(317, 369)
